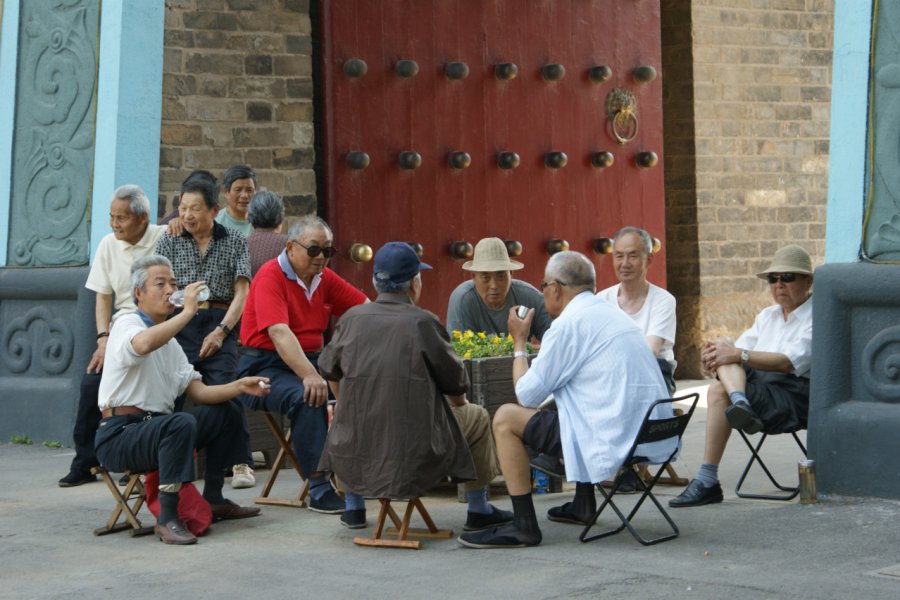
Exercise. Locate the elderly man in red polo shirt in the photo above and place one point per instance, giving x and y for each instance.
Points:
(291, 301)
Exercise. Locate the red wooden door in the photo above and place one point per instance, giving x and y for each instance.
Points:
(383, 114)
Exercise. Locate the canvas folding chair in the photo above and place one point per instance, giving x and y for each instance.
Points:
(401, 528)
(129, 501)
(652, 430)
(790, 492)
(285, 451)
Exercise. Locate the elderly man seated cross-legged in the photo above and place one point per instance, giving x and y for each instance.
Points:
(396, 377)
(763, 377)
(595, 362)
(144, 371)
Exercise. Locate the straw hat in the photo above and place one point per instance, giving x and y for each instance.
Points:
(491, 255)
(790, 259)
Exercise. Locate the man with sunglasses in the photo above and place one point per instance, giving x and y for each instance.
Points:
(289, 307)
(762, 378)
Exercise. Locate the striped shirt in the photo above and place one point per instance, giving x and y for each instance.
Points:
(226, 259)
(596, 364)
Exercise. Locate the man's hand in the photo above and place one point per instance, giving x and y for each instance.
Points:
(519, 329)
(315, 390)
(718, 352)
(96, 364)
(212, 343)
(174, 227)
(254, 386)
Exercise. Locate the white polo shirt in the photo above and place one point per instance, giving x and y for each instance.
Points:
(150, 382)
(111, 270)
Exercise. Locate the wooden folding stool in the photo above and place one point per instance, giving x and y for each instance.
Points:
(401, 529)
(128, 503)
(285, 451)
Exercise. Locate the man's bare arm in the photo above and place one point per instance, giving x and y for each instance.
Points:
(103, 304)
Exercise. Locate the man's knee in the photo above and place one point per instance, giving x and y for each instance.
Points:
(717, 396)
(180, 424)
(511, 419)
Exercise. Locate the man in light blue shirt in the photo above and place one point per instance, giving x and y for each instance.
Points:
(596, 364)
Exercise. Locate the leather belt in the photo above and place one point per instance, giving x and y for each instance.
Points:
(116, 411)
(208, 305)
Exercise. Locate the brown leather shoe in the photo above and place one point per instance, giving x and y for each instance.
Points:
(174, 532)
(230, 510)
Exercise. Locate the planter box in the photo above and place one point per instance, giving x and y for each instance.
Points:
(491, 381)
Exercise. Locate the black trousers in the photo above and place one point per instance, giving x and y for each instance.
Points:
(220, 367)
(167, 442)
(87, 418)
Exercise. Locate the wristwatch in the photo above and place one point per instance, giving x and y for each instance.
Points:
(520, 354)
(745, 356)
(224, 328)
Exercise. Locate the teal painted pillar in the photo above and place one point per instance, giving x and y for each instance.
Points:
(849, 117)
(129, 104)
(9, 35)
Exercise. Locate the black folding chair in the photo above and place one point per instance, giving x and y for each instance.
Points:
(652, 430)
(755, 458)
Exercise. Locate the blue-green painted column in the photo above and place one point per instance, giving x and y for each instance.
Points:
(9, 25)
(849, 117)
(129, 104)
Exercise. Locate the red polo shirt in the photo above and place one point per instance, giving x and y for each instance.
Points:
(276, 297)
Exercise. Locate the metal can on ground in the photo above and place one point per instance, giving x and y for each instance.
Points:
(540, 482)
(807, 472)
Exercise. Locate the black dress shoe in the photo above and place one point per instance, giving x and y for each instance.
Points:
(548, 464)
(507, 536)
(740, 416)
(76, 477)
(567, 514)
(695, 494)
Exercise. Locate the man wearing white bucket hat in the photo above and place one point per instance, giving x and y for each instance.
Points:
(483, 303)
(762, 378)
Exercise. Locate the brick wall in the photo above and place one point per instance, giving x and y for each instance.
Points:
(237, 88)
(746, 160)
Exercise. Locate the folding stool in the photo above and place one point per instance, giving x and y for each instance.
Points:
(402, 529)
(128, 503)
(756, 458)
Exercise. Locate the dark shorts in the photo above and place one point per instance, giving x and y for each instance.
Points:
(542, 433)
(779, 399)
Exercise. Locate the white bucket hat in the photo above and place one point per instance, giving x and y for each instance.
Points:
(491, 255)
(790, 259)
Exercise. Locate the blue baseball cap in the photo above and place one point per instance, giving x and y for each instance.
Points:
(397, 262)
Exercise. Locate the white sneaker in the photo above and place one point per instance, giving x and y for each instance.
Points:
(243, 477)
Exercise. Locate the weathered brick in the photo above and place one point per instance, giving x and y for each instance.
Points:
(293, 66)
(210, 20)
(252, 4)
(246, 87)
(179, 85)
(262, 136)
(180, 135)
(300, 205)
(258, 65)
(209, 39)
(172, 60)
(299, 44)
(259, 158)
(300, 6)
(259, 111)
(178, 39)
(170, 157)
(214, 109)
(257, 43)
(212, 159)
(294, 111)
(214, 86)
(301, 158)
(210, 4)
(299, 88)
(218, 64)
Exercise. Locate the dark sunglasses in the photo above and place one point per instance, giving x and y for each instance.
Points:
(783, 277)
(314, 251)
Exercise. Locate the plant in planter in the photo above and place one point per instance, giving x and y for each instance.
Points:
(488, 361)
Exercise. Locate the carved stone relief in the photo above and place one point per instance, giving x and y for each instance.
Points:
(54, 132)
(36, 343)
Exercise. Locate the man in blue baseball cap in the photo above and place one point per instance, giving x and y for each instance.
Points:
(402, 422)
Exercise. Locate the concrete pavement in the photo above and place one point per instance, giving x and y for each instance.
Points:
(839, 548)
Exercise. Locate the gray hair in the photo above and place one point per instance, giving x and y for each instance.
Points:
(139, 203)
(266, 210)
(645, 238)
(140, 268)
(386, 286)
(572, 269)
(303, 224)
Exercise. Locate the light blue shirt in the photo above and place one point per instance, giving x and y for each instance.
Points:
(595, 362)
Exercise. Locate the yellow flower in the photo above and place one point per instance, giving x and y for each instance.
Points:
(457, 335)
(509, 338)
(482, 335)
(496, 339)
(467, 354)
(468, 334)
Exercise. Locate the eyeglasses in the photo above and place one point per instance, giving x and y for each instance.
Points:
(545, 284)
(783, 277)
(314, 251)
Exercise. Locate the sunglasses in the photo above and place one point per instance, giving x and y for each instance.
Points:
(314, 251)
(783, 277)
(546, 284)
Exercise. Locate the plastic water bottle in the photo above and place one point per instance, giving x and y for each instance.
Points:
(177, 298)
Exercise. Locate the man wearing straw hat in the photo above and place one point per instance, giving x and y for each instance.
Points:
(762, 378)
(483, 303)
